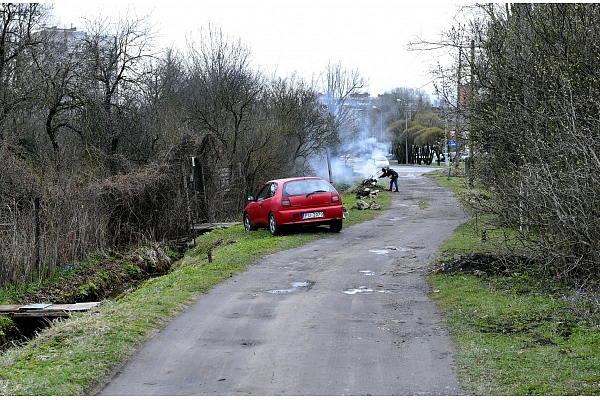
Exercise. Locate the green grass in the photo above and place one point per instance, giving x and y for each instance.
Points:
(517, 334)
(73, 356)
(517, 344)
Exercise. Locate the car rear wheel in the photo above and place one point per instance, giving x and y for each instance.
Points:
(248, 223)
(273, 227)
(336, 225)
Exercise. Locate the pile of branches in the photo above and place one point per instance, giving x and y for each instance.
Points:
(367, 189)
(366, 193)
(480, 264)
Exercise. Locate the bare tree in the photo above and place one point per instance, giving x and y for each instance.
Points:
(225, 88)
(56, 73)
(117, 54)
(306, 129)
(164, 101)
(18, 22)
(339, 85)
(223, 100)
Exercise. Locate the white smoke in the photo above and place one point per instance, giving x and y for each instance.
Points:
(353, 160)
(353, 163)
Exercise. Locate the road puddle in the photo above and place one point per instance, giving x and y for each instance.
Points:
(379, 251)
(406, 249)
(383, 251)
(295, 286)
(364, 289)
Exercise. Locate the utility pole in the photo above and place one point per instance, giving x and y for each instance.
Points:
(457, 128)
(407, 115)
(469, 158)
(380, 123)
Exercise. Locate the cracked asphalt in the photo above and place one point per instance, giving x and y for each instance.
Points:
(345, 315)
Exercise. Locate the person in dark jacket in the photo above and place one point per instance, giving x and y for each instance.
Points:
(387, 171)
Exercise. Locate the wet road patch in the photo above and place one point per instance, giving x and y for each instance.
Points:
(364, 289)
(295, 286)
(380, 252)
(383, 251)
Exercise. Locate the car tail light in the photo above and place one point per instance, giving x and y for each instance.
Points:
(335, 197)
(285, 201)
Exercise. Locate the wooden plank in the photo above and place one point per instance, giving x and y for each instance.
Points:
(44, 310)
(39, 314)
(53, 308)
(7, 308)
(82, 306)
(34, 307)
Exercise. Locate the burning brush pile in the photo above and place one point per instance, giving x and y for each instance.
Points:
(366, 193)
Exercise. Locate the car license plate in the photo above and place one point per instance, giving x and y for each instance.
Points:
(317, 214)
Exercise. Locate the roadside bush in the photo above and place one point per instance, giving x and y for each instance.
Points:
(139, 206)
(532, 122)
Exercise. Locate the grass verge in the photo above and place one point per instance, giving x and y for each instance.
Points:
(76, 355)
(516, 333)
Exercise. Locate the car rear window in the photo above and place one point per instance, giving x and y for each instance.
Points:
(304, 187)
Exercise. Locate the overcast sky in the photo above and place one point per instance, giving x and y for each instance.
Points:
(303, 36)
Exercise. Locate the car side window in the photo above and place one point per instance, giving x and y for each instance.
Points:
(272, 190)
(267, 191)
(263, 194)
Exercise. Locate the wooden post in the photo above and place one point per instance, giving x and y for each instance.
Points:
(37, 234)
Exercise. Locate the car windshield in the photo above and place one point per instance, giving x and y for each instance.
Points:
(307, 186)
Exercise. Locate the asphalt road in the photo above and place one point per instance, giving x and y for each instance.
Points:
(345, 315)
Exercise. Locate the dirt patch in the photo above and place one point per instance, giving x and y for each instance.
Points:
(485, 264)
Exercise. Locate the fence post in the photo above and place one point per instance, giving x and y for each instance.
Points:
(37, 234)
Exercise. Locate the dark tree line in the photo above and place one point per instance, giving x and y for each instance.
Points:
(123, 143)
(414, 128)
(531, 109)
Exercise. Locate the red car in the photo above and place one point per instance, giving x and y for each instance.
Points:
(294, 202)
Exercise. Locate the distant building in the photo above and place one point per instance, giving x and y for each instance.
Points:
(91, 58)
(63, 42)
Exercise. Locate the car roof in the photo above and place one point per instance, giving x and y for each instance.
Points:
(299, 178)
